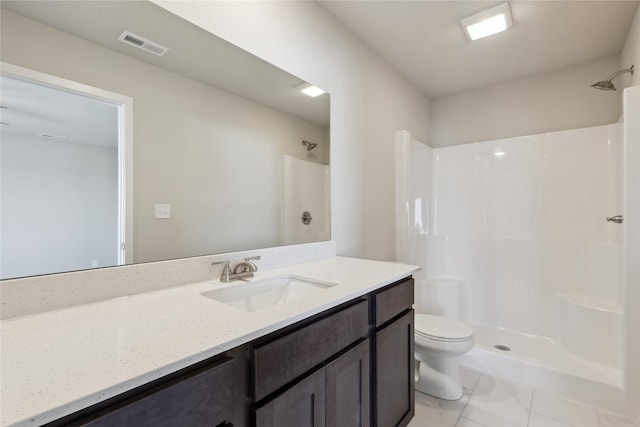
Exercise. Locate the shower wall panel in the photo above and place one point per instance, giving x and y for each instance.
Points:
(305, 186)
(525, 218)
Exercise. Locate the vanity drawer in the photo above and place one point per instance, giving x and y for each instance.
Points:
(392, 301)
(282, 360)
(200, 398)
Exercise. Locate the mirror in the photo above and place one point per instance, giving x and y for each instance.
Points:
(227, 153)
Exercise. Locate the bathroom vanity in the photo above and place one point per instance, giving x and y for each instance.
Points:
(342, 358)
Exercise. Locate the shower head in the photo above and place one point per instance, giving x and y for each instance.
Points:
(310, 145)
(604, 85)
(607, 84)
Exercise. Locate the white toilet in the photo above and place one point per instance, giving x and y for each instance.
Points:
(438, 341)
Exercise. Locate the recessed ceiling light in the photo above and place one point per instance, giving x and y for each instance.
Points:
(487, 22)
(310, 90)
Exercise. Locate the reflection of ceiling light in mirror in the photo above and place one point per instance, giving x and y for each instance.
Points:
(487, 22)
(498, 153)
(310, 90)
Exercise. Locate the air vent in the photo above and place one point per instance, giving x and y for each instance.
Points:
(142, 43)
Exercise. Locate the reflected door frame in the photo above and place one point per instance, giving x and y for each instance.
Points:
(124, 105)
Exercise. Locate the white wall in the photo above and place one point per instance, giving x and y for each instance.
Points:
(631, 55)
(190, 140)
(558, 100)
(369, 103)
(59, 206)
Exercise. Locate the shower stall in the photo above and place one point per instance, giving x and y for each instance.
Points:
(305, 201)
(521, 238)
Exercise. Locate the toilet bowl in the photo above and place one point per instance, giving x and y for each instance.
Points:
(438, 340)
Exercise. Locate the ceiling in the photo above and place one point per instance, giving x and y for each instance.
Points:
(423, 40)
(36, 111)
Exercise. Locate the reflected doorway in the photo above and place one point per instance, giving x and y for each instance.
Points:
(63, 198)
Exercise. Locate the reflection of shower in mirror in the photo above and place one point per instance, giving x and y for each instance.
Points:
(310, 145)
(305, 213)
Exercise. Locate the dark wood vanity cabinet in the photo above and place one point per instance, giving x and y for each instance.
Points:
(302, 405)
(363, 352)
(203, 397)
(393, 355)
(347, 382)
(335, 395)
(394, 372)
(286, 355)
(301, 376)
(350, 366)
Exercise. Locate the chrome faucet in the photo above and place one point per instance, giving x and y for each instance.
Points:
(242, 270)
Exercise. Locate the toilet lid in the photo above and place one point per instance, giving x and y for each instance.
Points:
(441, 328)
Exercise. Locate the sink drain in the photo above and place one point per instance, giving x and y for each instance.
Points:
(502, 347)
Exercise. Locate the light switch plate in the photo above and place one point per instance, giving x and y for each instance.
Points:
(163, 211)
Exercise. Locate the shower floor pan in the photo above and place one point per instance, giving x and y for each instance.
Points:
(542, 364)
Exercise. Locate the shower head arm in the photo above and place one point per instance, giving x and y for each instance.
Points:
(617, 73)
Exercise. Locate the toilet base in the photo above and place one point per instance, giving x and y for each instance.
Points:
(439, 377)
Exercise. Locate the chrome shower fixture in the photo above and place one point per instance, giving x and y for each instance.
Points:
(607, 84)
(310, 145)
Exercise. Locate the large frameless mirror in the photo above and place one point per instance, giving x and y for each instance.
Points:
(113, 154)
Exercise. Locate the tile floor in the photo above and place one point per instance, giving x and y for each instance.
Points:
(491, 402)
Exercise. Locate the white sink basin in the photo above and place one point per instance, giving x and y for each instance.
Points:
(260, 294)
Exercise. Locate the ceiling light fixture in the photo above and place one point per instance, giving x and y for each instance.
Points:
(487, 22)
(310, 90)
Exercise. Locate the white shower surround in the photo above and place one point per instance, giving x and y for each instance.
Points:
(305, 189)
(520, 222)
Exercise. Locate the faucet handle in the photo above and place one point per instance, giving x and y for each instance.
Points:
(226, 270)
(250, 260)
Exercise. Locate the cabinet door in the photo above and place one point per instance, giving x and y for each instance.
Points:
(348, 393)
(394, 388)
(282, 360)
(200, 398)
(302, 405)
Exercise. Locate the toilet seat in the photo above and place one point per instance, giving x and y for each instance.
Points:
(441, 329)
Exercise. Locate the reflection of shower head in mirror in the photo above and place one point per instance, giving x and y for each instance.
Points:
(310, 145)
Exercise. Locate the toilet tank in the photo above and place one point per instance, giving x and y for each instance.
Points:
(443, 296)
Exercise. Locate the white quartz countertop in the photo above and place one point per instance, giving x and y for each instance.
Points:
(58, 362)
